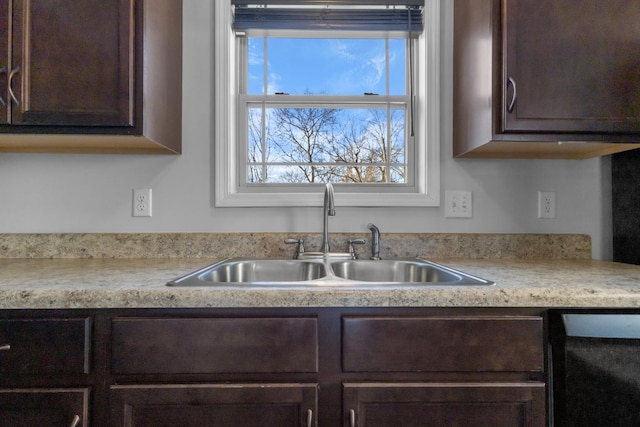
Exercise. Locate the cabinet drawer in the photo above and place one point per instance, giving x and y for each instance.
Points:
(460, 344)
(44, 346)
(221, 345)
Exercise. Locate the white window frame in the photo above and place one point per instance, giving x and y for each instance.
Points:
(426, 128)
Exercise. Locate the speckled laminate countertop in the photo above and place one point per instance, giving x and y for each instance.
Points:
(140, 283)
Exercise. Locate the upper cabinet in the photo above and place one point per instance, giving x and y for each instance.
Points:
(71, 63)
(546, 78)
(91, 76)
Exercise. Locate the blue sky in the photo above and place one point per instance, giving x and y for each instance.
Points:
(327, 66)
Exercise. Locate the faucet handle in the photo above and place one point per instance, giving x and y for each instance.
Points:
(299, 248)
(352, 250)
(375, 241)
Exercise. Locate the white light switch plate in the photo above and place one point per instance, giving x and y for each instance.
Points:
(458, 204)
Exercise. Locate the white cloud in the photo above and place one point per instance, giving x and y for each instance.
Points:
(273, 85)
(376, 69)
(340, 50)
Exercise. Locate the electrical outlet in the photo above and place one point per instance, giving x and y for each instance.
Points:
(142, 202)
(458, 204)
(546, 204)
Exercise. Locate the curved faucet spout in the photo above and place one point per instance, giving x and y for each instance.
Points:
(329, 209)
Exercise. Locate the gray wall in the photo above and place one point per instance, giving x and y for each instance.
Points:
(50, 193)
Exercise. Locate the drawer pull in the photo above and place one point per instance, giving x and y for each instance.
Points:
(76, 421)
(11, 76)
(352, 418)
(309, 417)
(514, 97)
(5, 347)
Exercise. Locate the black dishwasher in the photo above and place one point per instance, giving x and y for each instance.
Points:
(596, 368)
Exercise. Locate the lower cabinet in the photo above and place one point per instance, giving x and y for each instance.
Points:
(236, 349)
(44, 408)
(280, 367)
(445, 404)
(476, 370)
(44, 370)
(214, 405)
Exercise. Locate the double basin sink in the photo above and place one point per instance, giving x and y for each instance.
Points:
(326, 272)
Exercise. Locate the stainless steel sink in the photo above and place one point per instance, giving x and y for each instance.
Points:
(326, 272)
(258, 271)
(407, 271)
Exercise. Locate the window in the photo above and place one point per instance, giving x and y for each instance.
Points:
(300, 106)
(337, 115)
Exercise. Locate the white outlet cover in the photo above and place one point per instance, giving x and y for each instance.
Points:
(546, 204)
(141, 202)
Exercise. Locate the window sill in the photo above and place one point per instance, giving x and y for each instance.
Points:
(316, 199)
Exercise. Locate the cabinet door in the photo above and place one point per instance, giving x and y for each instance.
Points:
(5, 62)
(224, 405)
(444, 405)
(72, 62)
(44, 408)
(573, 65)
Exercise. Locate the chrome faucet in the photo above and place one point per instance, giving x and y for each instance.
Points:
(329, 209)
(375, 241)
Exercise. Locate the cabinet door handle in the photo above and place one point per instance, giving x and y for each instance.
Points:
(5, 347)
(309, 417)
(352, 418)
(3, 70)
(514, 96)
(76, 421)
(11, 76)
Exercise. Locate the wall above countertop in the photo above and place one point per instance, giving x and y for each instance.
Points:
(92, 193)
(271, 245)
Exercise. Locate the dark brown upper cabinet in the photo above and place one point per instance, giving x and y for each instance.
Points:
(546, 78)
(91, 76)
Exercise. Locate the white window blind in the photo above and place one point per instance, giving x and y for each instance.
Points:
(351, 15)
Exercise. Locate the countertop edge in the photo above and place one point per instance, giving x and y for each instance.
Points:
(95, 284)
